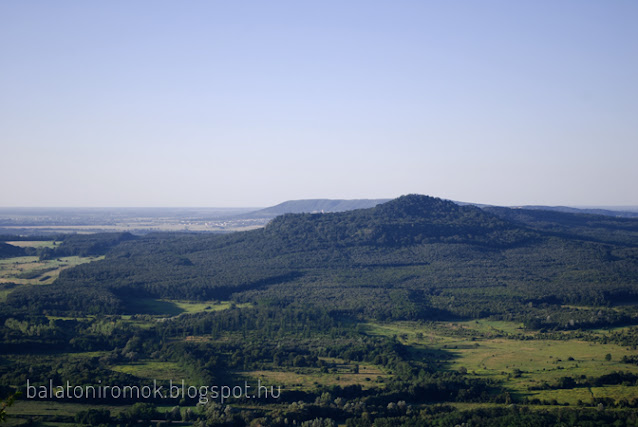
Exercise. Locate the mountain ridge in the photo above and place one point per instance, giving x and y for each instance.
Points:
(315, 206)
(343, 205)
(424, 255)
(408, 219)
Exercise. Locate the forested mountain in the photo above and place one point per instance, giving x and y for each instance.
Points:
(594, 227)
(621, 212)
(381, 316)
(413, 257)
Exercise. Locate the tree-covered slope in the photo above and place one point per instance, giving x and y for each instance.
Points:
(405, 221)
(413, 257)
(600, 228)
(10, 251)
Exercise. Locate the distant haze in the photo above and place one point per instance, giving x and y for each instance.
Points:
(236, 104)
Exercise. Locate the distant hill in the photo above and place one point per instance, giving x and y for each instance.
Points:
(594, 211)
(415, 257)
(315, 206)
(596, 227)
(406, 220)
(618, 212)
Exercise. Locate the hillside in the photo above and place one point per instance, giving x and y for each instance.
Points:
(407, 220)
(595, 227)
(415, 303)
(9, 251)
(621, 212)
(413, 257)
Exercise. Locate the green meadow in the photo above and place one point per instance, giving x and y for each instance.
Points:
(338, 372)
(504, 352)
(155, 370)
(35, 244)
(30, 270)
(168, 307)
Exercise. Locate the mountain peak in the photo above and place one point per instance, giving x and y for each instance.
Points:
(418, 206)
(409, 219)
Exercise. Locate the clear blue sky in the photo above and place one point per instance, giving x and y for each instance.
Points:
(233, 103)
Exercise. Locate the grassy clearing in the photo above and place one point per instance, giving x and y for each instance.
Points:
(537, 361)
(166, 307)
(586, 395)
(482, 347)
(11, 267)
(154, 370)
(310, 378)
(608, 331)
(33, 271)
(78, 318)
(199, 306)
(35, 244)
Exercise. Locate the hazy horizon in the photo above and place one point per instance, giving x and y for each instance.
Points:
(163, 104)
(248, 208)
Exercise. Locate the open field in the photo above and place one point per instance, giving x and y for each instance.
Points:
(154, 370)
(199, 306)
(167, 307)
(29, 270)
(483, 349)
(309, 378)
(35, 244)
(575, 396)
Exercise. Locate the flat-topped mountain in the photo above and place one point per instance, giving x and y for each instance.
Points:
(315, 206)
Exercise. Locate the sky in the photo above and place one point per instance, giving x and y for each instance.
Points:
(251, 103)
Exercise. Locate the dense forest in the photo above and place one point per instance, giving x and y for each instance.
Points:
(305, 294)
(412, 258)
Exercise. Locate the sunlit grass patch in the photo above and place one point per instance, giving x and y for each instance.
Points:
(310, 378)
(154, 370)
(571, 396)
(518, 363)
(35, 244)
(33, 271)
(586, 395)
(199, 306)
(168, 307)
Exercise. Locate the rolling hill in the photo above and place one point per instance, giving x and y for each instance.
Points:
(415, 257)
